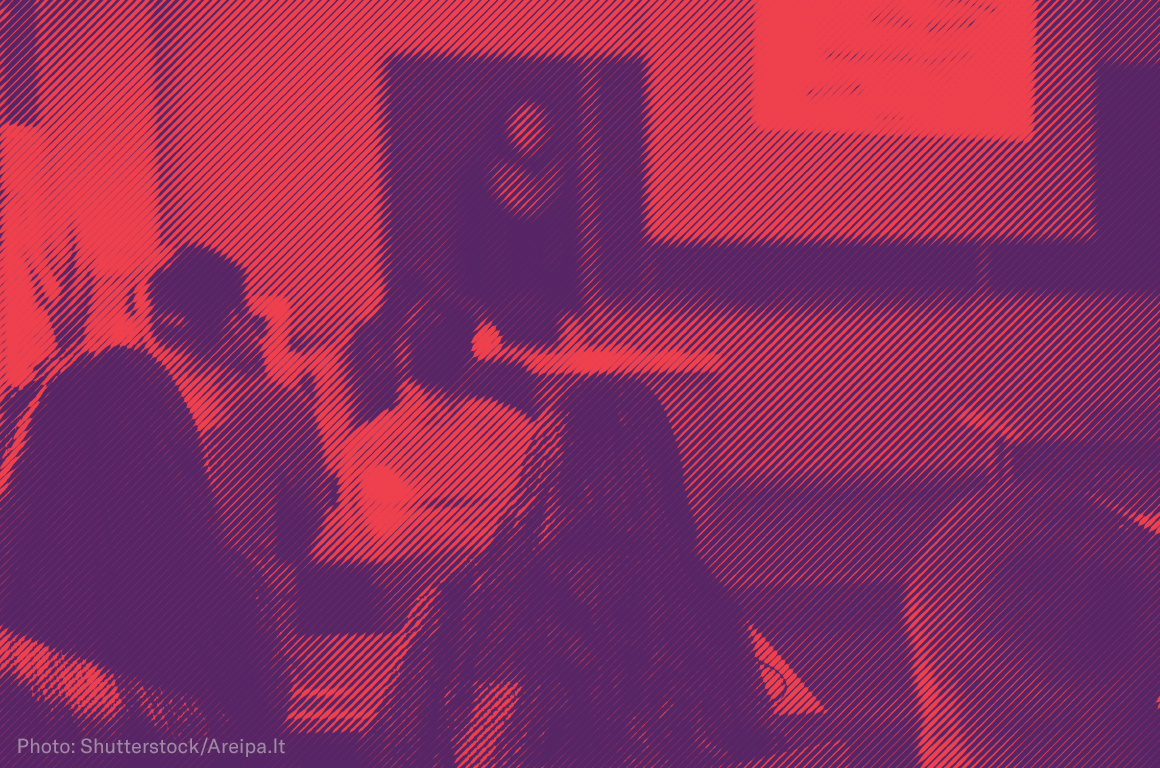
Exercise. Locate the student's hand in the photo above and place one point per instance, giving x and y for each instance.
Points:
(90, 691)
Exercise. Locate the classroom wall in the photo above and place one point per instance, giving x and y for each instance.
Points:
(254, 128)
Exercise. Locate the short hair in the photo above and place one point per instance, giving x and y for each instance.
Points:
(192, 297)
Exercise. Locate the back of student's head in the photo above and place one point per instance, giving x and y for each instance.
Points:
(193, 296)
(617, 482)
(598, 594)
(592, 605)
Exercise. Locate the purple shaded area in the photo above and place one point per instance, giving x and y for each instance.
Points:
(111, 550)
(446, 139)
(592, 599)
(111, 520)
(1055, 599)
(21, 73)
(1122, 255)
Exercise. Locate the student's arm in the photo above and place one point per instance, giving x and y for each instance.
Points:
(90, 691)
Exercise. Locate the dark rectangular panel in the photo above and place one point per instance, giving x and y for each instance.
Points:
(1122, 257)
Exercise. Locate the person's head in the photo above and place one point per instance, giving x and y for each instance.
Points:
(611, 485)
(198, 307)
(591, 598)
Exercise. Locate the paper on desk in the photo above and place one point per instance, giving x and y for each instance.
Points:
(573, 356)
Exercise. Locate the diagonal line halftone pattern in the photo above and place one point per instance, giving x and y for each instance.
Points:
(862, 524)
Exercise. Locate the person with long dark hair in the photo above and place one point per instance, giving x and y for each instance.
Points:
(588, 632)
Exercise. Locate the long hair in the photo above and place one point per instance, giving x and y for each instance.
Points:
(590, 601)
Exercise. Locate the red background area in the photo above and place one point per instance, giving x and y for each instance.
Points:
(267, 128)
(904, 68)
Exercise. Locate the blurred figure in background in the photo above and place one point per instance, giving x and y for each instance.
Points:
(40, 684)
(1032, 615)
(262, 447)
(423, 480)
(455, 435)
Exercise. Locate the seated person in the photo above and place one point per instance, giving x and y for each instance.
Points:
(260, 441)
(38, 684)
(423, 480)
(1032, 619)
(262, 447)
(113, 556)
(454, 438)
(588, 632)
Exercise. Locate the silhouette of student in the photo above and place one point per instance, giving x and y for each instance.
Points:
(262, 447)
(112, 553)
(429, 340)
(588, 632)
(427, 356)
(22, 698)
(1032, 612)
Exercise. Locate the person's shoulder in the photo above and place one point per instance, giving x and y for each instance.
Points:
(123, 366)
(120, 384)
(126, 361)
